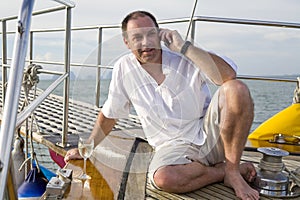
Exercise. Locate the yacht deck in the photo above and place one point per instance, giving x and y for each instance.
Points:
(106, 182)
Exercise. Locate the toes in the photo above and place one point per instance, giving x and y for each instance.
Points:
(248, 171)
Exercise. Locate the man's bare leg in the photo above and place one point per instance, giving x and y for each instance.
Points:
(192, 176)
(187, 177)
(236, 110)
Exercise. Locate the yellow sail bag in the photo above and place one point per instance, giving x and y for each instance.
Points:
(286, 122)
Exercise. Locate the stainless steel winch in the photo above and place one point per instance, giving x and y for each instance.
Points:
(273, 178)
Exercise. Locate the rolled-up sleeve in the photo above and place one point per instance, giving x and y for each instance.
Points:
(117, 104)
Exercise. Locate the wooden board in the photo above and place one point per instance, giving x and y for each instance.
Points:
(95, 188)
(219, 190)
(118, 168)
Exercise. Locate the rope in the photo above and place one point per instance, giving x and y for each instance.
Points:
(271, 166)
(296, 98)
(30, 80)
(30, 77)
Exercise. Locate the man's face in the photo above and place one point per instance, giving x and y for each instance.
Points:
(142, 38)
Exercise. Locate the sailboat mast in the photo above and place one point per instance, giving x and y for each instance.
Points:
(13, 91)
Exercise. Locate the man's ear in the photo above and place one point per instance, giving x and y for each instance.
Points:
(126, 42)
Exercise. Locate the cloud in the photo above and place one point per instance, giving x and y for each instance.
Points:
(283, 36)
(46, 57)
(256, 49)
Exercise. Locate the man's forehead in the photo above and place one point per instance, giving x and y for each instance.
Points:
(141, 30)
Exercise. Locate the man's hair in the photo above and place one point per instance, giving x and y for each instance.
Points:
(135, 15)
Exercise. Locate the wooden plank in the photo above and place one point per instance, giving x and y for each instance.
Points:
(11, 190)
(95, 188)
(224, 190)
(198, 194)
(107, 167)
(136, 183)
(213, 194)
(164, 195)
(152, 194)
(110, 157)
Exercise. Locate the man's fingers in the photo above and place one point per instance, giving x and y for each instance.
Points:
(72, 154)
(166, 36)
(172, 39)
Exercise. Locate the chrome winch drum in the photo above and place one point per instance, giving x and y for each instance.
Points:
(271, 180)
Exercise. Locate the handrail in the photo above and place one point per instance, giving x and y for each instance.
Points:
(66, 90)
(33, 105)
(241, 21)
(66, 3)
(280, 24)
(10, 120)
(260, 78)
(60, 63)
(13, 90)
(4, 60)
(234, 21)
(39, 12)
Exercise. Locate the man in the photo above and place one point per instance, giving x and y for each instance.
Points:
(197, 140)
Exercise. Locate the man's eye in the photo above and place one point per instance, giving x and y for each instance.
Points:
(152, 33)
(137, 38)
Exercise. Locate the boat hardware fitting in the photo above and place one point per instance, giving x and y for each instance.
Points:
(285, 139)
(57, 186)
(273, 179)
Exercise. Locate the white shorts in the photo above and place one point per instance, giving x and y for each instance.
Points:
(210, 153)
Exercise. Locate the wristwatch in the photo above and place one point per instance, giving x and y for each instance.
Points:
(185, 47)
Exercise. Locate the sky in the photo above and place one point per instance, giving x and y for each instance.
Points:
(262, 51)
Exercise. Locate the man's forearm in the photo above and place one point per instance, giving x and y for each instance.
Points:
(102, 128)
(210, 64)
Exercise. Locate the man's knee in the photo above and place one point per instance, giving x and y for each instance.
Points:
(167, 179)
(237, 94)
(164, 178)
(235, 87)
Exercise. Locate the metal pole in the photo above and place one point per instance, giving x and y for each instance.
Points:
(193, 32)
(191, 20)
(31, 47)
(98, 78)
(67, 80)
(22, 116)
(66, 3)
(4, 60)
(10, 111)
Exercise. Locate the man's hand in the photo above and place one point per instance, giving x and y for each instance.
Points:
(172, 39)
(215, 67)
(72, 154)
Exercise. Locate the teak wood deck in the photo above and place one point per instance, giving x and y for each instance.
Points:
(101, 188)
(118, 166)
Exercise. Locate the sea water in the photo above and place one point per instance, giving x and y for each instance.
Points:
(269, 97)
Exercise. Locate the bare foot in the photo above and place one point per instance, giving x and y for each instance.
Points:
(236, 181)
(248, 171)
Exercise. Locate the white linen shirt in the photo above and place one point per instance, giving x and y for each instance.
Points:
(171, 112)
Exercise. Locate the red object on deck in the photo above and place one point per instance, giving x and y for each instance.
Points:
(58, 159)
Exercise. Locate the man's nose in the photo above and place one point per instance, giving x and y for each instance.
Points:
(145, 40)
